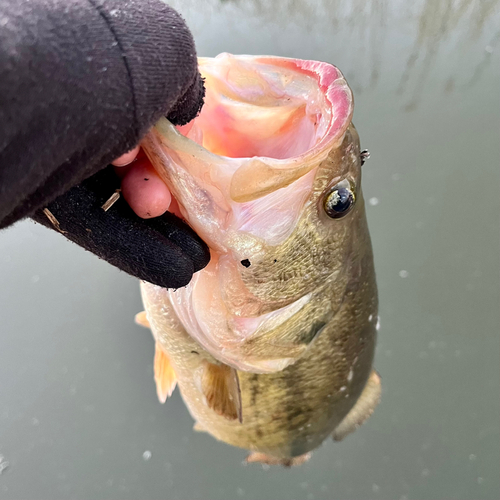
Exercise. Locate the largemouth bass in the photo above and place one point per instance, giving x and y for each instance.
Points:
(272, 343)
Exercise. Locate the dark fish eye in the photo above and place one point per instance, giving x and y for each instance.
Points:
(339, 200)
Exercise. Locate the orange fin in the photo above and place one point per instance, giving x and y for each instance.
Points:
(165, 377)
(142, 319)
(221, 387)
(361, 411)
(262, 458)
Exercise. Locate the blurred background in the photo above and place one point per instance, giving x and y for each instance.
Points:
(79, 417)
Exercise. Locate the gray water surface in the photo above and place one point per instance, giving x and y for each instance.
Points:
(79, 416)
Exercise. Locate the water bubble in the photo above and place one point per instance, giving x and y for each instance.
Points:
(373, 201)
(404, 273)
(35, 278)
(343, 388)
(375, 488)
(480, 480)
(488, 49)
(425, 472)
(350, 375)
(472, 457)
(304, 485)
(35, 421)
(377, 326)
(240, 492)
(147, 455)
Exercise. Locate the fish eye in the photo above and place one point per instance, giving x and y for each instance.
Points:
(339, 200)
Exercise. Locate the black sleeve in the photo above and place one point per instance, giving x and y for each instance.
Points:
(81, 81)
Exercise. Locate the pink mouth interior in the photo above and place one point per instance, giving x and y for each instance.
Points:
(259, 110)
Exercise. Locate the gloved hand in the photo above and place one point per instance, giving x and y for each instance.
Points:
(81, 82)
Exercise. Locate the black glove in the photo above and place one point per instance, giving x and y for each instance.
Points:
(81, 81)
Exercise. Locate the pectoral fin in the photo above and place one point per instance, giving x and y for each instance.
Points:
(165, 377)
(221, 387)
(367, 402)
(142, 320)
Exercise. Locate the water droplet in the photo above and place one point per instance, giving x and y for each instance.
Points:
(425, 472)
(35, 278)
(350, 375)
(480, 480)
(35, 421)
(375, 488)
(472, 457)
(3, 464)
(240, 492)
(377, 326)
(488, 49)
(403, 273)
(147, 455)
(373, 201)
(343, 388)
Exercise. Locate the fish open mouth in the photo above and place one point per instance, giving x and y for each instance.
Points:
(242, 172)
(266, 123)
